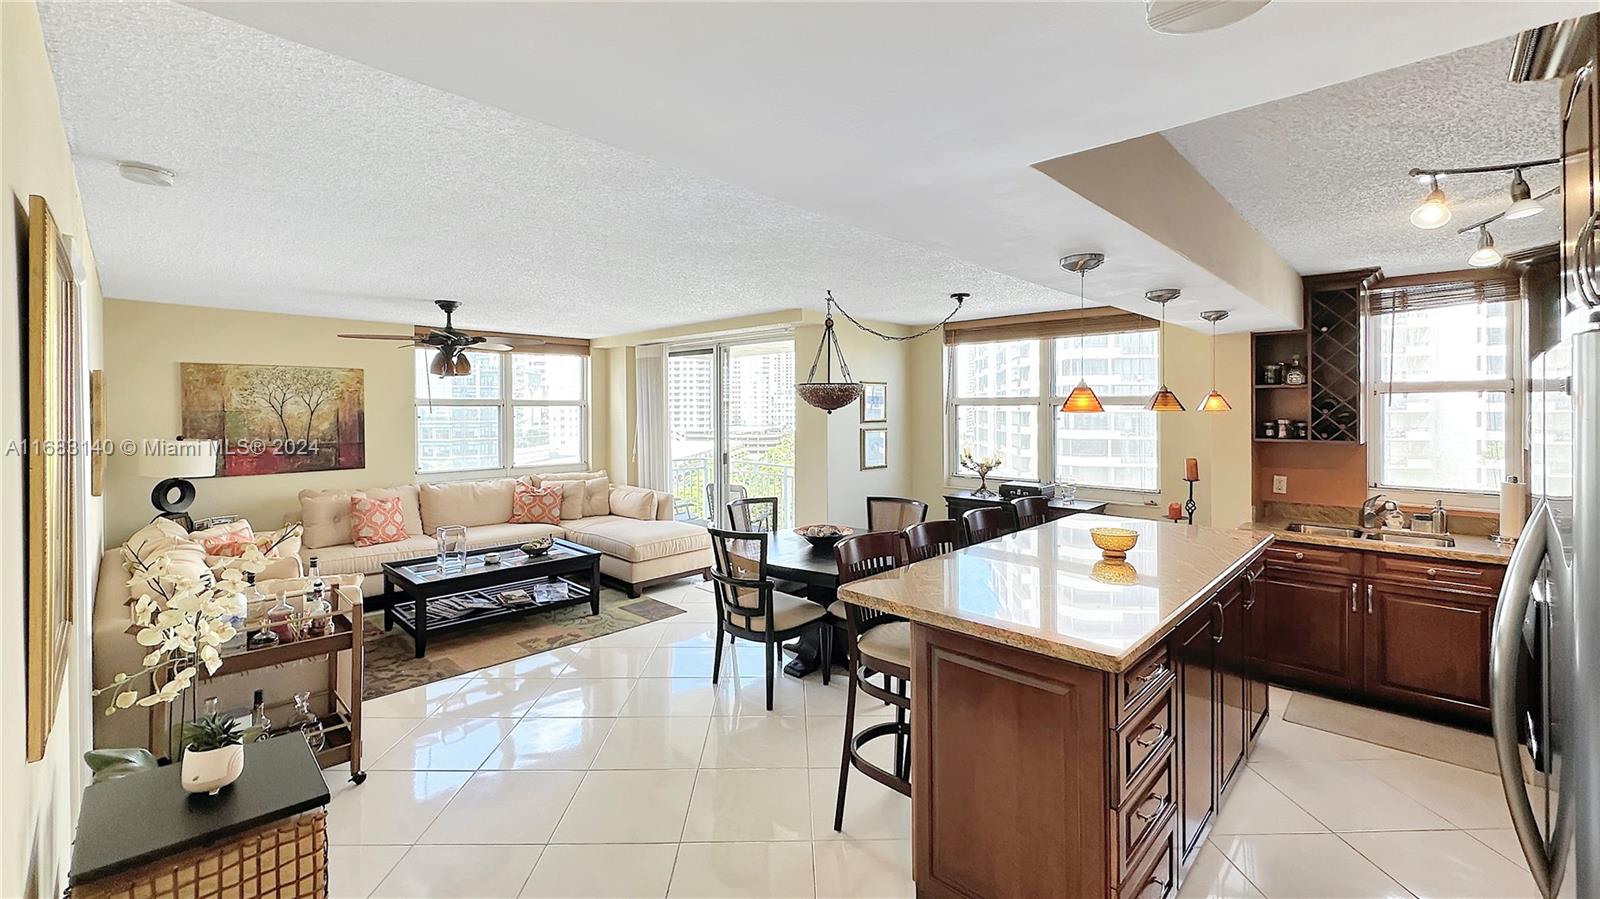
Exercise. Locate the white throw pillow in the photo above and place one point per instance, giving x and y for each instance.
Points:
(633, 502)
(467, 503)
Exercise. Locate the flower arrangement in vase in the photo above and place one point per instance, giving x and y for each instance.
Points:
(981, 467)
(213, 753)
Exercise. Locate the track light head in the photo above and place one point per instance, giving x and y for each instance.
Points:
(1486, 256)
(1434, 211)
(1523, 204)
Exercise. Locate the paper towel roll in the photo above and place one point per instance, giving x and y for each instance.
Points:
(1513, 508)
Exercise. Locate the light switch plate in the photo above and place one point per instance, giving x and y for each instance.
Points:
(1280, 483)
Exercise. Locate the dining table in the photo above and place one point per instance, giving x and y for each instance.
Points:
(791, 557)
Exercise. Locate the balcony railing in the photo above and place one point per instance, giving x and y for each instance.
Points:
(692, 501)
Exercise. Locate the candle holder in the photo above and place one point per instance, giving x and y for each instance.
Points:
(1191, 474)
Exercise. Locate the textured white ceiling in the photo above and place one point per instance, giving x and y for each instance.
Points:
(919, 121)
(1322, 176)
(311, 184)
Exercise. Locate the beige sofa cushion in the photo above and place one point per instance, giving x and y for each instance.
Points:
(633, 502)
(637, 541)
(509, 534)
(326, 513)
(568, 476)
(596, 497)
(466, 503)
(164, 538)
(352, 559)
(573, 502)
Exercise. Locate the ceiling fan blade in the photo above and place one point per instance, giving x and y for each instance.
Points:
(491, 348)
(380, 336)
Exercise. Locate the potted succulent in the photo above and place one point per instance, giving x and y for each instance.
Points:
(981, 467)
(213, 754)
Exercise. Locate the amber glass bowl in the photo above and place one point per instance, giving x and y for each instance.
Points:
(1114, 543)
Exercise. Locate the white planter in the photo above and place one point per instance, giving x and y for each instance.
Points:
(208, 772)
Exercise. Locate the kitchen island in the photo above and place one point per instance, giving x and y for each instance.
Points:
(1076, 723)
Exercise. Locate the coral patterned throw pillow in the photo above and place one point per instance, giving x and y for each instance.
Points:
(229, 539)
(374, 521)
(536, 505)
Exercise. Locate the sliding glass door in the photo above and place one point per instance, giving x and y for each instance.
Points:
(730, 415)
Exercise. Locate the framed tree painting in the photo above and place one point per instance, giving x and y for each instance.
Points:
(55, 400)
(874, 448)
(275, 419)
(874, 402)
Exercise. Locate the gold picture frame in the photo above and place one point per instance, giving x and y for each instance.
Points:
(54, 395)
(874, 448)
(874, 402)
(97, 432)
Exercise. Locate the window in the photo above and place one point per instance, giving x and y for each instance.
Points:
(1004, 399)
(514, 411)
(1442, 398)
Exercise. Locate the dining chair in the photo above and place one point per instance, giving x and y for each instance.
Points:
(894, 513)
(988, 523)
(750, 608)
(735, 491)
(879, 644)
(756, 513)
(927, 539)
(1031, 511)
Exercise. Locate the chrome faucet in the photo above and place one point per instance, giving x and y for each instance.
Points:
(1372, 511)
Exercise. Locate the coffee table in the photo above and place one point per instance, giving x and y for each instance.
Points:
(445, 599)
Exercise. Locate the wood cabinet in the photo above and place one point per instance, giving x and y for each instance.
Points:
(1194, 662)
(1402, 631)
(1255, 642)
(1233, 699)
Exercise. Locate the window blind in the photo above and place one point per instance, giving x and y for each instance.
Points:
(1044, 325)
(1410, 293)
(525, 343)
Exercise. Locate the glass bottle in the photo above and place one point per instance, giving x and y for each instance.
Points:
(280, 621)
(1294, 374)
(308, 723)
(259, 722)
(238, 612)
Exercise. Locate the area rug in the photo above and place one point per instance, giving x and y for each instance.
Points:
(1425, 738)
(392, 666)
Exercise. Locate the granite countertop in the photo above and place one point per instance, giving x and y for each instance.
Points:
(1041, 590)
(1468, 548)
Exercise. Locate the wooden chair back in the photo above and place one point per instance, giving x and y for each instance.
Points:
(894, 513)
(988, 523)
(863, 556)
(930, 538)
(757, 513)
(739, 576)
(1031, 511)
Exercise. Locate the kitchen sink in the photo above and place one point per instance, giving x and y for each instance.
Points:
(1413, 539)
(1323, 530)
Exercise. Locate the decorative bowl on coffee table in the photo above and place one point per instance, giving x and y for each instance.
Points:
(538, 546)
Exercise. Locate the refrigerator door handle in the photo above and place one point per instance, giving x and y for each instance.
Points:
(1515, 595)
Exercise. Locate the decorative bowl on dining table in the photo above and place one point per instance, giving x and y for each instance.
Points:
(823, 536)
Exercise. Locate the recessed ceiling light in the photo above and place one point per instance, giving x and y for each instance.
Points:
(1194, 16)
(145, 173)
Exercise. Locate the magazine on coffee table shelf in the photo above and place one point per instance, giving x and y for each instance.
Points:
(541, 594)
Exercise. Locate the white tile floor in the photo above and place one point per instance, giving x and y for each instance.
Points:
(615, 769)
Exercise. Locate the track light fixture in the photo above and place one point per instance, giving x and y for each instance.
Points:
(1486, 255)
(1523, 204)
(1434, 211)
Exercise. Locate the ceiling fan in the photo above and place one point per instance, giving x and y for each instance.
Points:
(452, 345)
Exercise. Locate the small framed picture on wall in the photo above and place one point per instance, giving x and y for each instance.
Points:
(874, 402)
(874, 448)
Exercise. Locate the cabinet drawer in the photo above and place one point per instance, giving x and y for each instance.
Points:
(1314, 558)
(1154, 875)
(1139, 744)
(1446, 573)
(1148, 676)
(1145, 813)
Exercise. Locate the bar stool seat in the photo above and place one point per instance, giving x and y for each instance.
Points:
(890, 642)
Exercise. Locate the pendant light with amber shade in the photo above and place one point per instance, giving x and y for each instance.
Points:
(1214, 401)
(1164, 400)
(1082, 398)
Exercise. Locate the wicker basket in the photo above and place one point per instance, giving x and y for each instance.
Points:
(286, 859)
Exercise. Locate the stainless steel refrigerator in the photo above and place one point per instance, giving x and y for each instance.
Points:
(1545, 661)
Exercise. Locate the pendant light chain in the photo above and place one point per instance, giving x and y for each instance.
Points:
(958, 297)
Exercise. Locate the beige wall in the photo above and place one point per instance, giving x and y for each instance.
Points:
(145, 342)
(871, 359)
(41, 798)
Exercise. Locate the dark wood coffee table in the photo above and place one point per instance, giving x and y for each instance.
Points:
(441, 600)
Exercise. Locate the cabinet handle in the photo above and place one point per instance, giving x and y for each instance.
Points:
(1154, 673)
(1221, 621)
(1299, 557)
(1433, 572)
(1369, 599)
(1161, 734)
(1353, 588)
(1161, 806)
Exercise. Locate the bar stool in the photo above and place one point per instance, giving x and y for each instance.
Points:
(879, 644)
(929, 539)
(1031, 511)
(988, 523)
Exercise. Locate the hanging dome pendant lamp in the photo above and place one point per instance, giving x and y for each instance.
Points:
(1082, 399)
(829, 394)
(1164, 400)
(1214, 401)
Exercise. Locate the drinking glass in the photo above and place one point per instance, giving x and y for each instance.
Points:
(452, 547)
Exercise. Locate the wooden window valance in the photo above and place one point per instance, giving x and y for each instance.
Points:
(525, 343)
(1411, 293)
(1044, 325)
